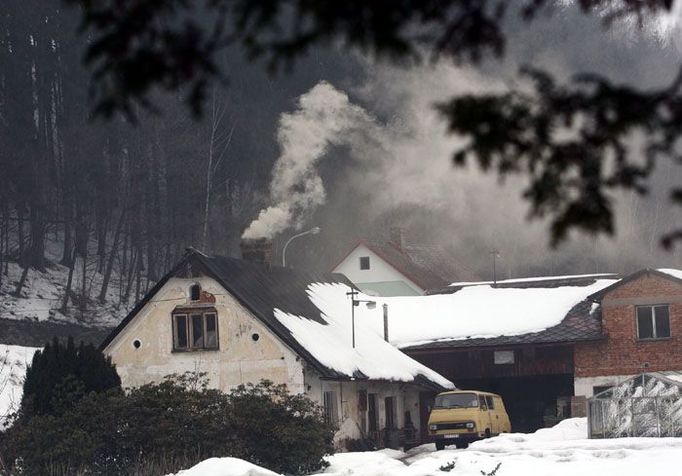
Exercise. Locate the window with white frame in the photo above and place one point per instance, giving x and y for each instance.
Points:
(653, 322)
(195, 329)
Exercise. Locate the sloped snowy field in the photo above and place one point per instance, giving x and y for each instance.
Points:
(560, 451)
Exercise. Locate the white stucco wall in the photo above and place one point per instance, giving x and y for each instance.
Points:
(379, 270)
(352, 421)
(238, 360)
(584, 386)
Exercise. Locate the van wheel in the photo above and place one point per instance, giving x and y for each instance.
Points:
(487, 432)
(462, 444)
(440, 445)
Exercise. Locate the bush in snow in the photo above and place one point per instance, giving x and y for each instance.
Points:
(156, 428)
(59, 375)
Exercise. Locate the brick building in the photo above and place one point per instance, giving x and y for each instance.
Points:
(641, 324)
(630, 325)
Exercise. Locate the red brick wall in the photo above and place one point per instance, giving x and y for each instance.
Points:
(621, 353)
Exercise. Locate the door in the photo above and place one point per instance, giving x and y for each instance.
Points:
(486, 421)
(389, 404)
(495, 422)
(372, 417)
(425, 405)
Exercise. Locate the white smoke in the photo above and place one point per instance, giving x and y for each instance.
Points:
(325, 117)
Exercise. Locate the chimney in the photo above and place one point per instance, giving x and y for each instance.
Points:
(397, 237)
(385, 308)
(256, 250)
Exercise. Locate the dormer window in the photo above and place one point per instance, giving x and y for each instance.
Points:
(364, 262)
(195, 292)
(195, 329)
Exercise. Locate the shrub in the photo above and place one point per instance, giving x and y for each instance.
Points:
(158, 428)
(60, 375)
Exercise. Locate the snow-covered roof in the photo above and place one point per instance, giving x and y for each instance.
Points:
(331, 341)
(536, 279)
(472, 312)
(310, 313)
(675, 273)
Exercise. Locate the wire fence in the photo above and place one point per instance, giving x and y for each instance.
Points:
(641, 407)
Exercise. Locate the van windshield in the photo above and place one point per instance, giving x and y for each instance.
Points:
(456, 400)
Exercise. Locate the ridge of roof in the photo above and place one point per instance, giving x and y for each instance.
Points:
(662, 273)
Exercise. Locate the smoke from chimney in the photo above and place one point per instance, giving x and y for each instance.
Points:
(325, 117)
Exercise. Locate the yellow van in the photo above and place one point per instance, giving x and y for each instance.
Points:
(462, 416)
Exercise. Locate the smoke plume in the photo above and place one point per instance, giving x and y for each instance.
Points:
(324, 118)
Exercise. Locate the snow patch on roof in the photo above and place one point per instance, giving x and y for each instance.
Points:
(331, 343)
(534, 279)
(474, 312)
(675, 273)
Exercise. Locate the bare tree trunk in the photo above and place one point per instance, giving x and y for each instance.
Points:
(20, 231)
(22, 280)
(112, 255)
(209, 171)
(129, 286)
(84, 285)
(69, 280)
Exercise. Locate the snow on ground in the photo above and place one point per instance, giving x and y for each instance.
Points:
(225, 467)
(472, 312)
(560, 451)
(13, 362)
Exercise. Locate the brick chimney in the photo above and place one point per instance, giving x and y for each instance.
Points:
(256, 251)
(397, 237)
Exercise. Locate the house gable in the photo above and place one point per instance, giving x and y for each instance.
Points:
(247, 350)
(624, 351)
(382, 278)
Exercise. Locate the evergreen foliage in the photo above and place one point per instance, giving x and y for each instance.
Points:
(160, 428)
(60, 375)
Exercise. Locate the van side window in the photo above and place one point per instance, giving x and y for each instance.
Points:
(482, 403)
(489, 401)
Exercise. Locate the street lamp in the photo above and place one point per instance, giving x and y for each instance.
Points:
(354, 302)
(313, 231)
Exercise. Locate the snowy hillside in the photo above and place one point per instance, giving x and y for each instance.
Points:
(42, 295)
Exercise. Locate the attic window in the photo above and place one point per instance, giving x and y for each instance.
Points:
(364, 262)
(653, 322)
(195, 330)
(195, 292)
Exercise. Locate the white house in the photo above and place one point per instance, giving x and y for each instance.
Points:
(395, 268)
(241, 322)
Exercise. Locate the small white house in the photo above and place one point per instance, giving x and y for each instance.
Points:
(241, 322)
(395, 268)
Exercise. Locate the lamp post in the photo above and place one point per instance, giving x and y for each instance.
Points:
(313, 231)
(354, 302)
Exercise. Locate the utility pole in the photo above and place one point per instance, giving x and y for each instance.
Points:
(495, 254)
(354, 302)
